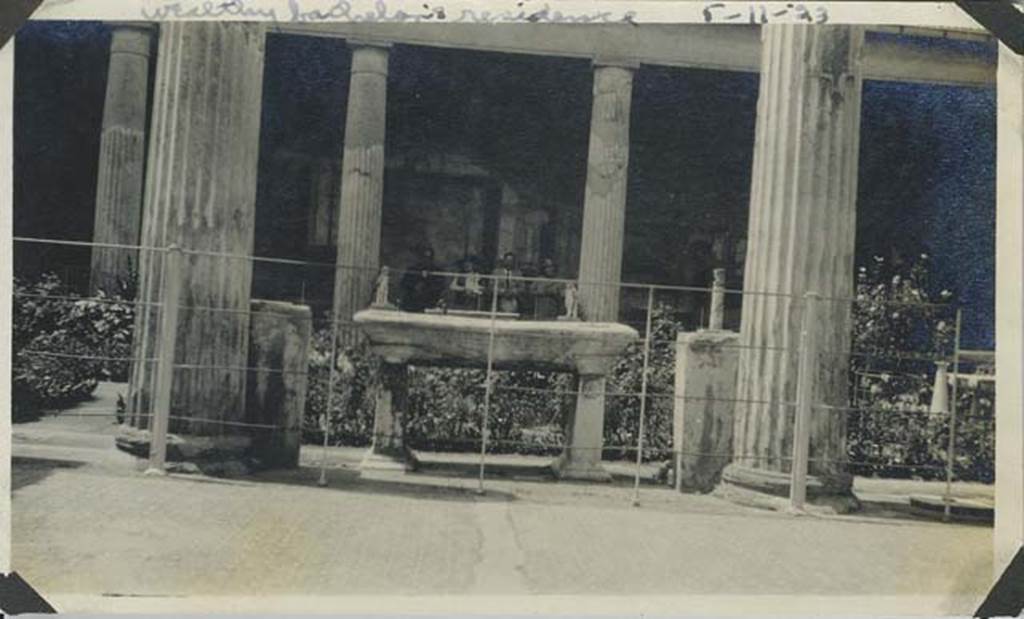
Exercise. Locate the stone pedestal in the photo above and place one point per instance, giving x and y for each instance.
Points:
(389, 451)
(362, 186)
(801, 238)
(279, 341)
(201, 195)
(122, 159)
(705, 394)
(585, 436)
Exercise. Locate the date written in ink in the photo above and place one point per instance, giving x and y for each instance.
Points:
(721, 12)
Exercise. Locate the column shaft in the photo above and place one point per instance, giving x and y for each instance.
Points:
(604, 220)
(389, 451)
(201, 195)
(122, 157)
(801, 238)
(585, 434)
(604, 204)
(362, 185)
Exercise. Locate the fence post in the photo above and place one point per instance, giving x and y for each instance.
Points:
(716, 313)
(643, 398)
(165, 361)
(325, 419)
(951, 448)
(804, 397)
(487, 386)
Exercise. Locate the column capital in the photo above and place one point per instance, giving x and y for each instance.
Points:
(132, 37)
(630, 64)
(148, 26)
(362, 43)
(369, 57)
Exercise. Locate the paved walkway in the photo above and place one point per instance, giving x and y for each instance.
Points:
(86, 522)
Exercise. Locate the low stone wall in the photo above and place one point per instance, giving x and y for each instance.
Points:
(702, 423)
(279, 342)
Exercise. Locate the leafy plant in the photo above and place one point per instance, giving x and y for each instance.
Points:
(900, 331)
(64, 344)
(622, 416)
(445, 405)
(352, 395)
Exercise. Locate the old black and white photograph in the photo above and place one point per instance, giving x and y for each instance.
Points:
(533, 301)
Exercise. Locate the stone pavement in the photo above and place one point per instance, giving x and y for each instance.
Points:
(91, 532)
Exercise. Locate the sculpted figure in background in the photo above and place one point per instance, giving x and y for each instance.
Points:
(382, 290)
(508, 286)
(547, 294)
(422, 287)
(465, 290)
(572, 302)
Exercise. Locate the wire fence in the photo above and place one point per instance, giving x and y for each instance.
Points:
(875, 383)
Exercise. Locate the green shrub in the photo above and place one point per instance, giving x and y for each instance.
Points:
(529, 409)
(57, 380)
(57, 337)
(350, 420)
(445, 404)
(622, 414)
(527, 413)
(899, 331)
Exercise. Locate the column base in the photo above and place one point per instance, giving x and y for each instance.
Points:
(185, 447)
(216, 456)
(770, 490)
(565, 467)
(400, 459)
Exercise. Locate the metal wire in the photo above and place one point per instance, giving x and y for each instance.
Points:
(445, 273)
(59, 355)
(489, 387)
(490, 384)
(643, 398)
(954, 402)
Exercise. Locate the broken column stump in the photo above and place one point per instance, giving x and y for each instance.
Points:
(270, 433)
(279, 341)
(705, 393)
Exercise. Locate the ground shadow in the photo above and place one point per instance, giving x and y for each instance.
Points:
(26, 471)
(893, 513)
(353, 481)
(533, 472)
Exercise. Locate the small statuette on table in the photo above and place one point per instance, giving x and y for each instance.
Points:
(380, 293)
(572, 303)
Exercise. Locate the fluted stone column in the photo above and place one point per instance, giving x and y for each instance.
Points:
(801, 238)
(201, 195)
(604, 202)
(604, 220)
(362, 185)
(122, 158)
